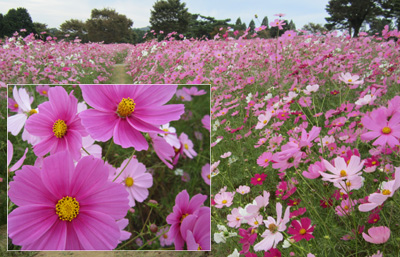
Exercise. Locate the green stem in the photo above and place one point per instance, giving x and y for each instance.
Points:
(108, 150)
(124, 166)
(85, 150)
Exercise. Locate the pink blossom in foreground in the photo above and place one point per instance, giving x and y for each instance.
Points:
(57, 124)
(387, 190)
(196, 230)
(226, 155)
(135, 179)
(350, 79)
(63, 207)
(243, 190)
(16, 122)
(194, 91)
(223, 199)
(163, 149)
(377, 235)
(187, 146)
(123, 111)
(206, 173)
(10, 151)
(386, 131)
(43, 89)
(342, 170)
(206, 121)
(182, 208)
(272, 235)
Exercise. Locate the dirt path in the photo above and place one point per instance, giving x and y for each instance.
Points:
(119, 75)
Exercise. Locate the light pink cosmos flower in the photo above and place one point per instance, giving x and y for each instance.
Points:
(387, 190)
(350, 79)
(263, 119)
(170, 135)
(386, 131)
(377, 235)
(10, 151)
(184, 207)
(123, 111)
(16, 122)
(187, 146)
(243, 190)
(135, 179)
(235, 218)
(183, 95)
(206, 122)
(163, 149)
(63, 207)
(164, 238)
(342, 170)
(311, 88)
(345, 207)
(272, 235)
(223, 199)
(264, 159)
(57, 124)
(43, 89)
(194, 91)
(226, 155)
(277, 23)
(206, 173)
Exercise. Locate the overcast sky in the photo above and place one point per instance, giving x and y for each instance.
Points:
(55, 12)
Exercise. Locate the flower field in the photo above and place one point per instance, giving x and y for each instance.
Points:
(305, 135)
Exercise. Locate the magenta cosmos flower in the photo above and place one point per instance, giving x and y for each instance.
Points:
(184, 207)
(63, 207)
(135, 179)
(196, 230)
(57, 124)
(123, 111)
(387, 131)
(301, 229)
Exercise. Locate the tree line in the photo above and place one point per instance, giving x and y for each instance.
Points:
(108, 26)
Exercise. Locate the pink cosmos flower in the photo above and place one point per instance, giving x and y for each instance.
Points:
(277, 23)
(10, 151)
(57, 124)
(16, 122)
(206, 122)
(13, 105)
(223, 199)
(248, 238)
(135, 179)
(387, 190)
(273, 252)
(263, 119)
(342, 170)
(43, 89)
(164, 239)
(272, 235)
(123, 111)
(163, 149)
(170, 135)
(226, 155)
(386, 131)
(243, 190)
(196, 230)
(377, 235)
(187, 146)
(345, 207)
(183, 95)
(314, 170)
(301, 230)
(235, 218)
(350, 79)
(264, 159)
(377, 254)
(194, 91)
(182, 208)
(206, 173)
(63, 207)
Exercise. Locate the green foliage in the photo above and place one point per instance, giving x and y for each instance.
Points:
(14, 20)
(314, 28)
(109, 26)
(265, 22)
(252, 26)
(351, 14)
(205, 26)
(239, 25)
(169, 16)
(75, 28)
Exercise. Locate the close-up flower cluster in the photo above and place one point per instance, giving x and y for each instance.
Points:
(99, 167)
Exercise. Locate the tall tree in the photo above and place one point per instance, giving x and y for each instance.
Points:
(252, 26)
(17, 19)
(75, 28)
(265, 22)
(169, 16)
(351, 14)
(205, 26)
(109, 26)
(314, 28)
(391, 10)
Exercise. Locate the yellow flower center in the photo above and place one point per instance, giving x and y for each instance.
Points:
(184, 216)
(348, 183)
(346, 207)
(265, 121)
(374, 162)
(386, 192)
(182, 97)
(259, 179)
(186, 146)
(302, 231)
(343, 173)
(255, 222)
(126, 107)
(165, 235)
(67, 208)
(16, 105)
(199, 248)
(59, 128)
(224, 201)
(266, 160)
(129, 182)
(44, 92)
(237, 218)
(33, 111)
(349, 80)
(208, 176)
(386, 130)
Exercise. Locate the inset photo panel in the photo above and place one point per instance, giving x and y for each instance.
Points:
(108, 167)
